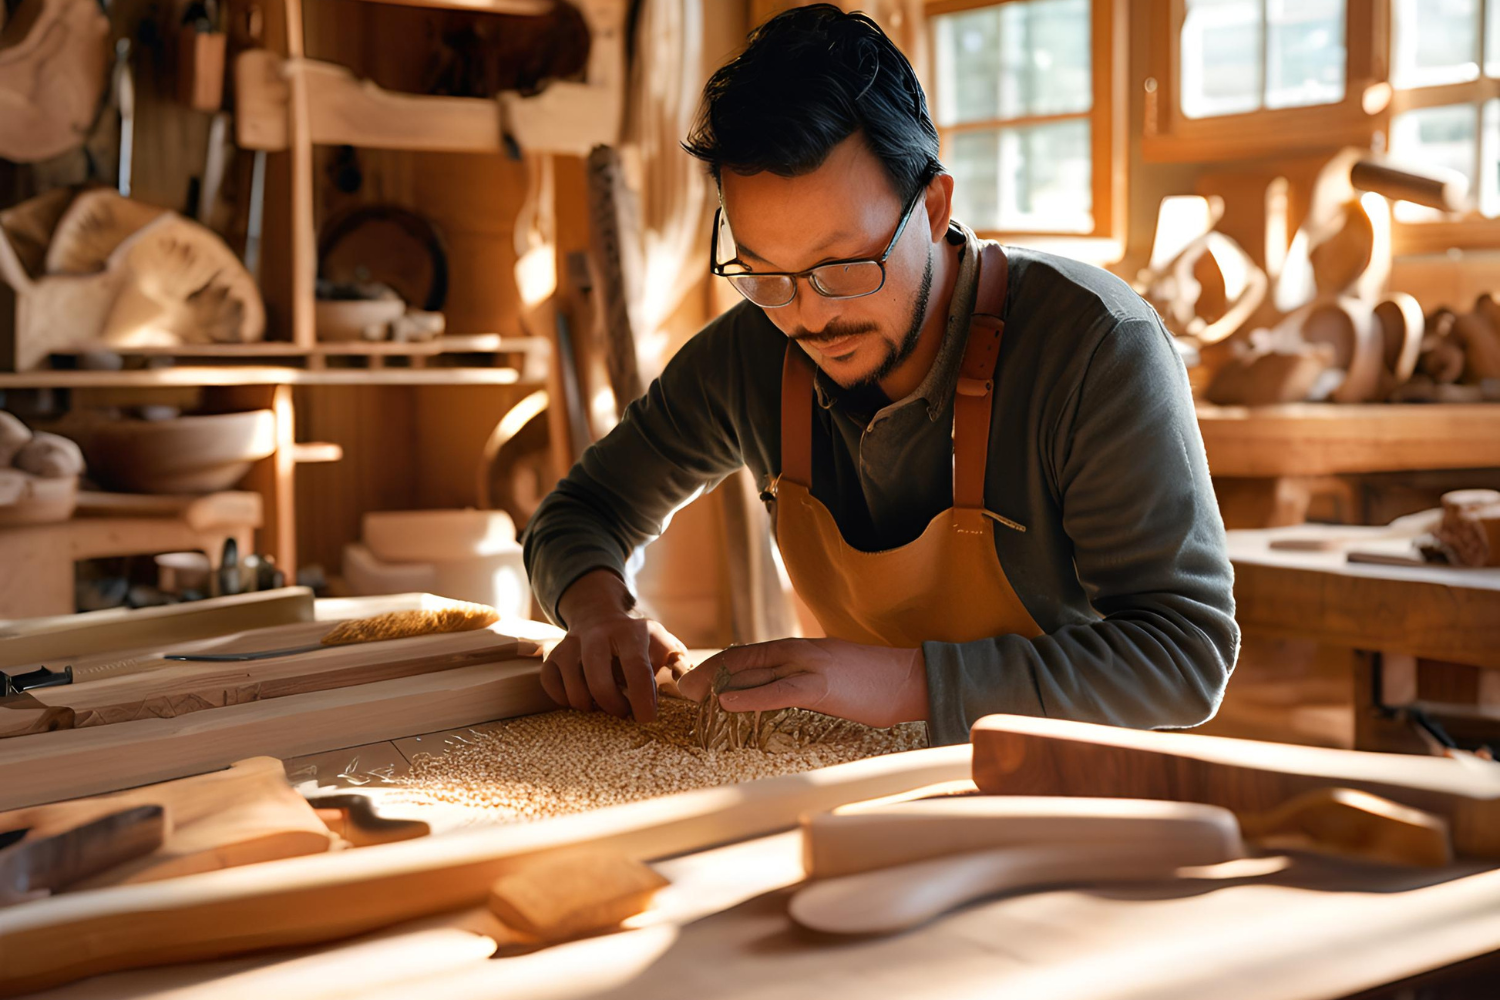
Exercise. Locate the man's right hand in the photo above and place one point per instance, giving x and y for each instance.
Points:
(608, 649)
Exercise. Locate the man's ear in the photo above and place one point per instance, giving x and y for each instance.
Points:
(940, 205)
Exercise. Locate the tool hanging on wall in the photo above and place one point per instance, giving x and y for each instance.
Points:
(124, 84)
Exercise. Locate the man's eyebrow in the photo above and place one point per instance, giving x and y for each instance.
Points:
(838, 237)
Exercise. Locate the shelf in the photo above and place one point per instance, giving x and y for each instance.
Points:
(225, 375)
(1325, 439)
(522, 8)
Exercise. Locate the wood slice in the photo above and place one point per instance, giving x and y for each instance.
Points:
(53, 59)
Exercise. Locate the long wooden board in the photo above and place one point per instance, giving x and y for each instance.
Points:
(111, 688)
(1017, 755)
(47, 767)
(326, 897)
(35, 640)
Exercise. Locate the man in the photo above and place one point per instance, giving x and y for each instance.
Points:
(983, 466)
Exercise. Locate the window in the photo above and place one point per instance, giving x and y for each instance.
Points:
(1244, 55)
(1239, 79)
(1024, 101)
(1445, 66)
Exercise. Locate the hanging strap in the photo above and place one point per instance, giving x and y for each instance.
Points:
(796, 416)
(973, 400)
(974, 397)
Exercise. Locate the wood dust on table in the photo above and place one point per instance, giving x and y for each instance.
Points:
(540, 766)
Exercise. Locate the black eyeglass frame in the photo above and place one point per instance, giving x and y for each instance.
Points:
(809, 274)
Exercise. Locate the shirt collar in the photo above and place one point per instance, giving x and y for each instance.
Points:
(936, 388)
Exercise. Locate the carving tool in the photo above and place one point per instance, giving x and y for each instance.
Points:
(34, 863)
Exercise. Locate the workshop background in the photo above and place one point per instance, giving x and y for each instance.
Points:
(331, 292)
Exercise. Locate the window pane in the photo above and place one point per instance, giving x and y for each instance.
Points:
(1433, 42)
(1439, 137)
(1045, 58)
(1492, 45)
(1045, 178)
(1489, 189)
(974, 159)
(1304, 53)
(968, 66)
(1221, 57)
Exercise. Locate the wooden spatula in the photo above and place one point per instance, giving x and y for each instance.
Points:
(890, 900)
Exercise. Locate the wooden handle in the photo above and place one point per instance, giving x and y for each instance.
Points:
(895, 899)
(847, 842)
(1444, 190)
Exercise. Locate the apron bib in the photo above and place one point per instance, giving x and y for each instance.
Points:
(948, 584)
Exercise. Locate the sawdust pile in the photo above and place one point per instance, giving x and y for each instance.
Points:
(557, 763)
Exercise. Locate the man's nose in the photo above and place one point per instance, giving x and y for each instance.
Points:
(814, 311)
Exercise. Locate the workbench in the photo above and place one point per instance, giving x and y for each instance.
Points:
(1266, 459)
(1388, 621)
(1311, 928)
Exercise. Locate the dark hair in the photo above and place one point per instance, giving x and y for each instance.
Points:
(808, 79)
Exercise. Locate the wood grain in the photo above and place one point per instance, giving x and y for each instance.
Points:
(1015, 755)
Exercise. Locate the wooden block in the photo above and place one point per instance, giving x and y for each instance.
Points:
(572, 894)
(1014, 755)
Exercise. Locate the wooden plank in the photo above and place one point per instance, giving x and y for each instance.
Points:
(1314, 439)
(1015, 755)
(1435, 612)
(59, 765)
(305, 900)
(124, 686)
(39, 639)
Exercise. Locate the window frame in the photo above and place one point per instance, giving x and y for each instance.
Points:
(1108, 42)
(1169, 136)
(1471, 230)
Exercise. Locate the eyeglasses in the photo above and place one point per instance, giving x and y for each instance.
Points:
(837, 279)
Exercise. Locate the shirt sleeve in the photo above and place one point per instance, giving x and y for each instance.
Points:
(1149, 549)
(671, 444)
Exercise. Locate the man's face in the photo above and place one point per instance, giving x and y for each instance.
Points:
(846, 208)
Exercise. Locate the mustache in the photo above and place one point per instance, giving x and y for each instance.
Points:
(832, 332)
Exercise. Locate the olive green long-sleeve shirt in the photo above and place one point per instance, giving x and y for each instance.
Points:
(1094, 448)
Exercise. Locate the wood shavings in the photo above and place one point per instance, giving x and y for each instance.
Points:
(557, 763)
(458, 617)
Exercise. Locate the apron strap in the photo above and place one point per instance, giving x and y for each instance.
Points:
(796, 416)
(974, 398)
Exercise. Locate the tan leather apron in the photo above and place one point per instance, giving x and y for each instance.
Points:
(947, 585)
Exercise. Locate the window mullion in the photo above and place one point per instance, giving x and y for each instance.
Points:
(1265, 53)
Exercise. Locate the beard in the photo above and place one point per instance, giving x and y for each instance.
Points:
(895, 354)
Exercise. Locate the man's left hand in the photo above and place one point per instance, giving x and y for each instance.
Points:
(874, 685)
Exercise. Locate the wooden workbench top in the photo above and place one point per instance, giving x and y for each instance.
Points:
(1439, 612)
(1291, 929)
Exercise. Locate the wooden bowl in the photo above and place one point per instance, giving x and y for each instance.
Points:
(195, 454)
(427, 536)
(349, 319)
(27, 499)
